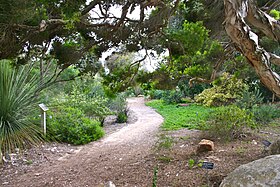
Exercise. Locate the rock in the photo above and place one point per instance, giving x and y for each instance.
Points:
(264, 172)
(182, 105)
(254, 142)
(205, 145)
(110, 184)
(110, 120)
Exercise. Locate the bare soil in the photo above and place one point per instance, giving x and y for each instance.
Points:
(133, 154)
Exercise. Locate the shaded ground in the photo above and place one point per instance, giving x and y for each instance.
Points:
(119, 157)
(130, 154)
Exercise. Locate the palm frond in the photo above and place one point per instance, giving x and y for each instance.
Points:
(17, 101)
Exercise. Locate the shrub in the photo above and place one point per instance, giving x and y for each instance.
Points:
(275, 13)
(122, 117)
(156, 94)
(17, 101)
(264, 114)
(250, 99)
(119, 106)
(172, 96)
(94, 106)
(229, 122)
(225, 91)
(70, 125)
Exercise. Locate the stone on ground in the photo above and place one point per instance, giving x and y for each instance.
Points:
(205, 145)
(264, 172)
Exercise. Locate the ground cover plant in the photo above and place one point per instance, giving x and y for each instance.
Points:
(177, 117)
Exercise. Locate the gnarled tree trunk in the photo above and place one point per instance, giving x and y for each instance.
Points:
(240, 15)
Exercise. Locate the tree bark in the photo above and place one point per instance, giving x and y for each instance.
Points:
(239, 14)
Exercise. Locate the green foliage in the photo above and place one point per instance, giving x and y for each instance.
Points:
(94, 107)
(17, 101)
(119, 106)
(164, 142)
(87, 95)
(70, 125)
(250, 99)
(172, 96)
(264, 114)
(122, 117)
(189, 39)
(192, 54)
(156, 94)
(122, 72)
(226, 90)
(155, 177)
(275, 13)
(191, 91)
(176, 117)
(229, 122)
(191, 163)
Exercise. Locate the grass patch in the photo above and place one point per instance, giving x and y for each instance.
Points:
(164, 142)
(192, 116)
(165, 159)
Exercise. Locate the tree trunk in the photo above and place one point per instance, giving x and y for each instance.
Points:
(238, 15)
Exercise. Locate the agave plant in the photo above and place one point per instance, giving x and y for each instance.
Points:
(17, 101)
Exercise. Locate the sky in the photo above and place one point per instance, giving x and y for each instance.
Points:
(150, 63)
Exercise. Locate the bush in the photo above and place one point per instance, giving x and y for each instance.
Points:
(250, 99)
(70, 125)
(94, 106)
(225, 91)
(264, 114)
(122, 117)
(229, 122)
(172, 96)
(156, 94)
(119, 106)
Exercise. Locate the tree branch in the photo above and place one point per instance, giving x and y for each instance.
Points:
(246, 41)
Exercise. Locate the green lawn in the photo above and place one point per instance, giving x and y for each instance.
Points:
(175, 117)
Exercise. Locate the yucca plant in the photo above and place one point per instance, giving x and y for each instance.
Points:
(17, 101)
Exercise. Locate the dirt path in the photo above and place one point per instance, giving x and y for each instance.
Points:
(119, 157)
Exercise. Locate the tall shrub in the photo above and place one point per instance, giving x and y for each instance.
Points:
(226, 90)
(229, 122)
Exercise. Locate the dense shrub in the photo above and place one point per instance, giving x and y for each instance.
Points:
(192, 91)
(70, 125)
(156, 94)
(226, 90)
(264, 114)
(94, 106)
(250, 99)
(119, 106)
(172, 96)
(229, 122)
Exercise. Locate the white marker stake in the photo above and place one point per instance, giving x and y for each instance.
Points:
(44, 109)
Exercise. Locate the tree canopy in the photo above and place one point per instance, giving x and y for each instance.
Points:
(64, 33)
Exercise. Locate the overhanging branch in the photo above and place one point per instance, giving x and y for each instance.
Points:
(237, 12)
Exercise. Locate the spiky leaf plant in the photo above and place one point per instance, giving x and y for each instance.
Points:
(17, 101)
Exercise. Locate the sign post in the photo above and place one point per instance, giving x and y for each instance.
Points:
(44, 110)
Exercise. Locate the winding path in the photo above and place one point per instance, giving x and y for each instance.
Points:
(119, 157)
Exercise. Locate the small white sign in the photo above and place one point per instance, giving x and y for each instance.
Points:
(43, 107)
